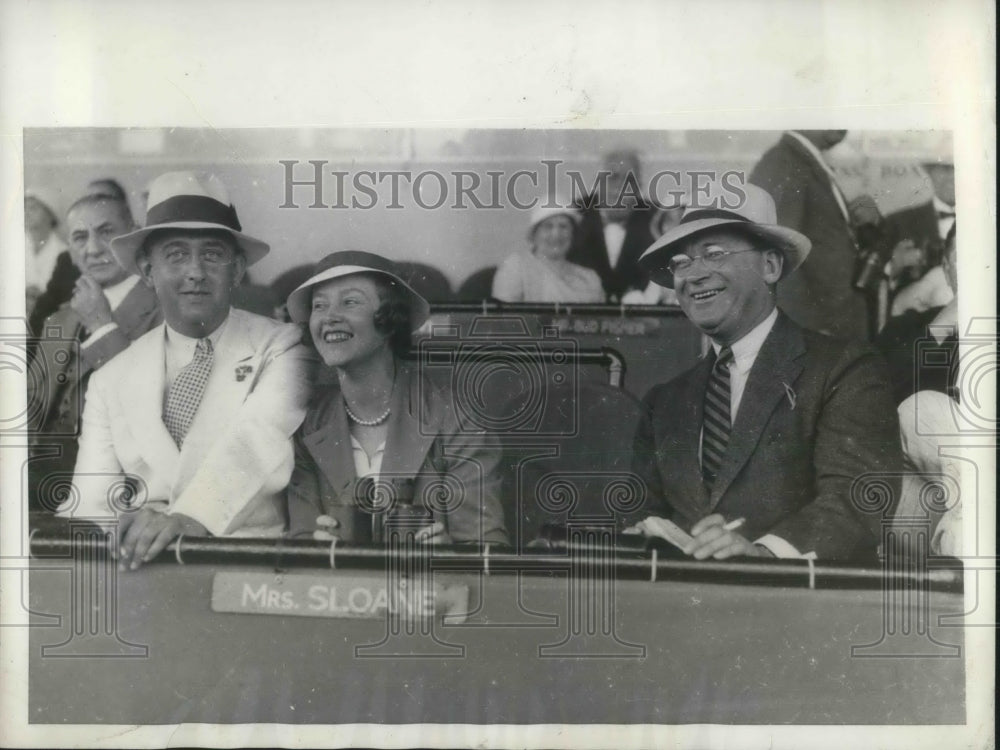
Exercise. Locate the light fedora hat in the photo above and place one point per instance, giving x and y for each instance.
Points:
(187, 200)
(345, 263)
(756, 215)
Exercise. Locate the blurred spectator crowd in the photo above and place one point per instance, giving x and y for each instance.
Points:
(866, 269)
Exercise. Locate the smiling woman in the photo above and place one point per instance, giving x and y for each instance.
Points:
(542, 273)
(382, 447)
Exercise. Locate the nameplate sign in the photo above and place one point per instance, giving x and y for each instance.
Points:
(340, 596)
(606, 326)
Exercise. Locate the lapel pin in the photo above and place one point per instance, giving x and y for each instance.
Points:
(790, 393)
(243, 370)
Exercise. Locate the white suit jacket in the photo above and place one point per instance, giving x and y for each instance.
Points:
(237, 457)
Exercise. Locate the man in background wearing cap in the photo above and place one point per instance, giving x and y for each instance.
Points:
(756, 449)
(195, 418)
(109, 309)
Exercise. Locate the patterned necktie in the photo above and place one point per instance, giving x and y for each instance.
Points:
(186, 391)
(717, 421)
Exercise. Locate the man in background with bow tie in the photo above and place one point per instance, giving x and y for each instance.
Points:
(617, 223)
(192, 424)
(757, 448)
(109, 309)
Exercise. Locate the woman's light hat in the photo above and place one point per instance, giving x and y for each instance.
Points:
(348, 262)
(548, 209)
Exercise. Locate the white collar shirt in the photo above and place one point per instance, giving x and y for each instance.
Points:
(365, 465)
(744, 355)
(614, 239)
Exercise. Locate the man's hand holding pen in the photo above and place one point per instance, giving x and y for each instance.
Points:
(713, 537)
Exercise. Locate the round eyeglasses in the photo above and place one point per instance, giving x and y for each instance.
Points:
(713, 260)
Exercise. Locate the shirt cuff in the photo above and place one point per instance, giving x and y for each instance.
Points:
(102, 331)
(782, 548)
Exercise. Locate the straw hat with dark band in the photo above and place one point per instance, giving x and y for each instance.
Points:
(187, 200)
(348, 262)
(755, 216)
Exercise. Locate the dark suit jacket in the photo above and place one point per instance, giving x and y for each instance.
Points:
(917, 362)
(57, 291)
(424, 444)
(916, 223)
(589, 249)
(56, 399)
(817, 413)
(820, 295)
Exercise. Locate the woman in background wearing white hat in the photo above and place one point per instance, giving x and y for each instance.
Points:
(541, 273)
(384, 441)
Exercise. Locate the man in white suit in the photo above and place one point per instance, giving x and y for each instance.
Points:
(189, 430)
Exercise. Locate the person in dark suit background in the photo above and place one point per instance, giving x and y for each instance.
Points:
(777, 422)
(925, 227)
(924, 353)
(109, 309)
(821, 296)
(917, 343)
(616, 225)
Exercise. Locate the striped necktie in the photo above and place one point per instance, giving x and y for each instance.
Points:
(185, 393)
(717, 421)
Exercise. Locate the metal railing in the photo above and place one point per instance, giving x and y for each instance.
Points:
(629, 556)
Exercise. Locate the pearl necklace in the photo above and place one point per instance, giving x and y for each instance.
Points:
(378, 420)
(367, 422)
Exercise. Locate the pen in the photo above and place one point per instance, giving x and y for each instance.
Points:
(735, 524)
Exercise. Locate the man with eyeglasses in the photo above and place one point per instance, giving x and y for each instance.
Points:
(776, 442)
(189, 430)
